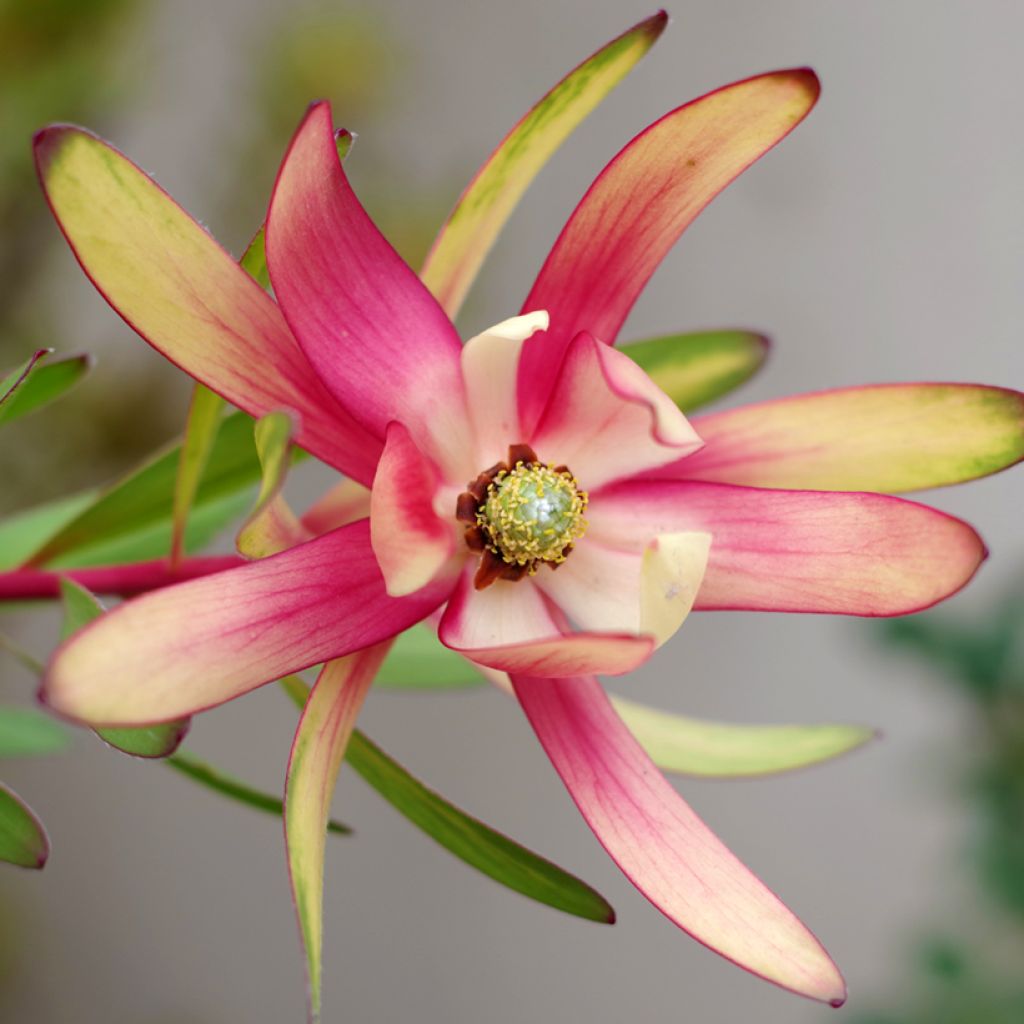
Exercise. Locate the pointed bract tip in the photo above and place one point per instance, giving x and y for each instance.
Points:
(809, 77)
(657, 22)
(836, 1003)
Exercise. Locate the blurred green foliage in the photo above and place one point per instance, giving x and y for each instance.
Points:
(970, 972)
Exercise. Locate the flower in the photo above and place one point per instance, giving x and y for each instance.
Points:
(533, 478)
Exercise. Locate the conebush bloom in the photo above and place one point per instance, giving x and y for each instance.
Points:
(533, 491)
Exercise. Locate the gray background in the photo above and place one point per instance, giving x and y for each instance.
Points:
(882, 241)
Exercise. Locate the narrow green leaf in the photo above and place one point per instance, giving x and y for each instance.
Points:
(695, 369)
(24, 533)
(471, 840)
(226, 785)
(492, 195)
(26, 732)
(480, 846)
(81, 608)
(690, 746)
(132, 517)
(22, 836)
(419, 661)
(201, 427)
(37, 382)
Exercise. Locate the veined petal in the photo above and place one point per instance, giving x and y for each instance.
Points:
(346, 502)
(198, 644)
(483, 208)
(799, 551)
(885, 437)
(317, 752)
(489, 365)
(171, 282)
(375, 335)
(650, 591)
(509, 627)
(411, 542)
(661, 845)
(606, 418)
(642, 202)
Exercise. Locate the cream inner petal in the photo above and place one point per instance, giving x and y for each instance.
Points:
(489, 367)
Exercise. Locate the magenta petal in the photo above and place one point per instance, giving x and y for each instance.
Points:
(411, 541)
(378, 339)
(661, 845)
(642, 202)
(173, 284)
(198, 644)
(799, 551)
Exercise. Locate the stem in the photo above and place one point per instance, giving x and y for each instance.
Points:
(123, 580)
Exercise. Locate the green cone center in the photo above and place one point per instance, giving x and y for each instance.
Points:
(533, 514)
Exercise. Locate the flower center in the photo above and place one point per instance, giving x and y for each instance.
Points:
(533, 514)
(521, 513)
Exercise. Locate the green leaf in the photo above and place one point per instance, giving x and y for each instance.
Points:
(687, 746)
(26, 732)
(418, 660)
(226, 785)
(492, 195)
(38, 382)
(22, 836)
(201, 427)
(23, 533)
(131, 519)
(271, 526)
(470, 840)
(160, 740)
(691, 746)
(695, 369)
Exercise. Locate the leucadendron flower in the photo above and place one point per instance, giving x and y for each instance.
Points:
(531, 491)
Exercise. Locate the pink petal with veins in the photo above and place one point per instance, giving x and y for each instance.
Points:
(661, 845)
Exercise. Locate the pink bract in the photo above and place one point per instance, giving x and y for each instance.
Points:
(360, 351)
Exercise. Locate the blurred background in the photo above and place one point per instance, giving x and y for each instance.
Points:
(880, 242)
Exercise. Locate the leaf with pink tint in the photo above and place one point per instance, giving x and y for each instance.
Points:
(317, 751)
(492, 195)
(185, 295)
(882, 437)
(661, 845)
(194, 645)
(799, 551)
(377, 338)
(642, 202)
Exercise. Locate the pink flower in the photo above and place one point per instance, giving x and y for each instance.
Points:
(610, 519)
